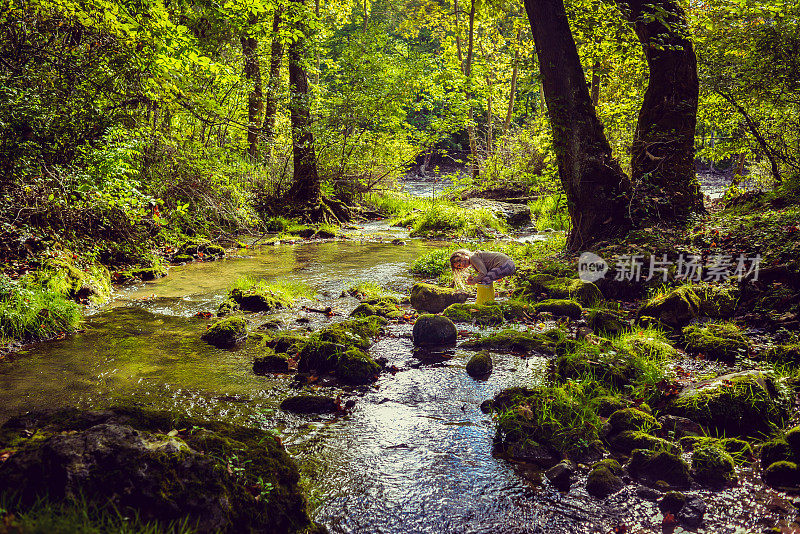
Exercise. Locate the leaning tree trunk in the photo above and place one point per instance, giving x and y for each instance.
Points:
(598, 192)
(662, 160)
(255, 100)
(305, 189)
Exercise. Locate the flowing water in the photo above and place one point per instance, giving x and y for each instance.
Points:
(413, 455)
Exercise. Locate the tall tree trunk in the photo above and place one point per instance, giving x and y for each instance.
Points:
(598, 192)
(596, 83)
(513, 89)
(305, 189)
(489, 117)
(458, 36)
(662, 154)
(473, 143)
(274, 82)
(255, 100)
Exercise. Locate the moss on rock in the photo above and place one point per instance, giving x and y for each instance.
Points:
(310, 404)
(227, 307)
(516, 310)
(721, 341)
(355, 367)
(227, 332)
(608, 404)
(558, 288)
(632, 419)
(782, 474)
(716, 301)
(713, 466)
(434, 299)
(787, 353)
(674, 308)
(603, 482)
(776, 450)
(432, 329)
(271, 362)
(737, 404)
(629, 440)
(480, 364)
(607, 322)
(654, 467)
(480, 314)
(516, 341)
(559, 307)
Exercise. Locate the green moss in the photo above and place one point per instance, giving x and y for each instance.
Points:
(657, 466)
(182, 258)
(61, 275)
(516, 341)
(199, 247)
(603, 482)
(672, 502)
(674, 308)
(559, 307)
(480, 364)
(740, 450)
(610, 464)
(740, 404)
(776, 450)
(516, 310)
(30, 313)
(270, 362)
(716, 301)
(149, 273)
(533, 285)
(783, 474)
(254, 295)
(792, 437)
(286, 342)
(712, 465)
(607, 322)
(650, 344)
(371, 291)
(482, 315)
(629, 440)
(721, 341)
(227, 307)
(788, 353)
(318, 355)
(355, 367)
(633, 419)
(434, 299)
(227, 332)
(608, 404)
(381, 308)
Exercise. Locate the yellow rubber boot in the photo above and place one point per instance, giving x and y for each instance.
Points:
(485, 294)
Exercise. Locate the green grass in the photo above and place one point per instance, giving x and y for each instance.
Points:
(284, 290)
(371, 290)
(29, 313)
(394, 203)
(79, 517)
(550, 211)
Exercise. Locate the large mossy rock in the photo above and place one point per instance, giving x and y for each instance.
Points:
(480, 364)
(653, 467)
(516, 341)
(255, 300)
(226, 333)
(434, 299)
(737, 404)
(720, 341)
(604, 479)
(559, 308)
(356, 367)
(200, 248)
(632, 419)
(480, 314)
(717, 302)
(534, 285)
(387, 308)
(675, 308)
(607, 323)
(121, 461)
(431, 330)
(713, 466)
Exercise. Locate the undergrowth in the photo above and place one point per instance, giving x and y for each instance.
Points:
(30, 313)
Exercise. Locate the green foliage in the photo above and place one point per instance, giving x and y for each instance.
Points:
(30, 313)
(550, 211)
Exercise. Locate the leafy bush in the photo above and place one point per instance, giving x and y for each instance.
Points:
(31, 313)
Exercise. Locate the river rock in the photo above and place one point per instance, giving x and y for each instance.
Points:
(652, 467)
(121, 461)
(692, 512)
(480, 364)
(561, 475)
(675, 308)
(271, 363)
(434, 330)
(532, 284)
(741, 404)
(434, 299)
(602, 482)
(672, 502)
(513, 214)
(713, 466)
(309, 404)
(226, 333)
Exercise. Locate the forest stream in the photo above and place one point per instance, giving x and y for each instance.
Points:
(414, 454)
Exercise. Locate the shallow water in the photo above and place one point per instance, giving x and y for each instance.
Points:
(414, 454)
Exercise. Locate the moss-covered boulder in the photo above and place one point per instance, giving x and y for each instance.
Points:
(271, 362)
(356, 367)
(516, 341)
(783, 475)
(776, 450)
(748, 403)
(672, 502)
(629, 440)
(227, 307)
(740, 450)
(607, 323)
(603, 481)
(716, 301)
(480, 364)
(212, 476)
(720, 341)
(713, 466)
(182, 258)
(559, 307)
(90, 284)
(310, 404)
(652, 467)
(286, 342)
(608, 404)
(256, 299)
(432, 330)
(481, 315)
(226, 333)
(199, 248)
(146, 274)
(381, 308)
(632, 419)
(674, 308)
(319, 356)
(792, 437)
(434, 299)
(516, 310)
(535, 285)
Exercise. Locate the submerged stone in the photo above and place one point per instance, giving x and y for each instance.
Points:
(480, 364)
(434, 330)
(675, 308)
(226, 333)
(603, 481)
(561, 475)
(310, 404)
(434, 299)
